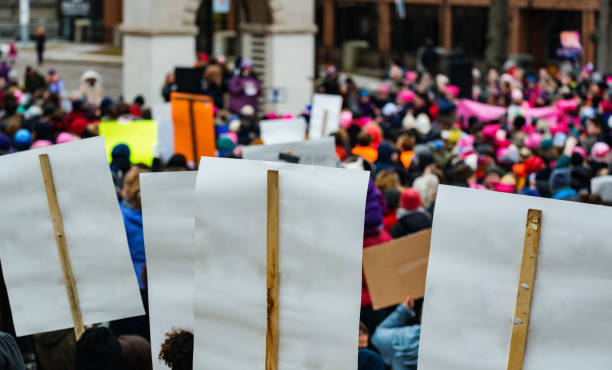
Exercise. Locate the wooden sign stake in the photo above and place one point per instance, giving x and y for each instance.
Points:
(194, 141)
(62, 248)
(272, 271)
(324, 126)
(525, 289)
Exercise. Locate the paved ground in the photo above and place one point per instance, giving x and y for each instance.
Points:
(71, 60)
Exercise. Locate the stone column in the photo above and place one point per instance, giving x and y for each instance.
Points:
(158, 35)
(284, 53)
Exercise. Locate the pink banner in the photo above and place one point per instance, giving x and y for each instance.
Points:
(487, 113)
(484, 112)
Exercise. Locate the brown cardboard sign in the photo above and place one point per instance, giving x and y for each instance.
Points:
(397, 269)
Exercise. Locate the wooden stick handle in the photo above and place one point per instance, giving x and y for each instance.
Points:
(324, 125)
(62, 248)
(272, 272)
(525, 290)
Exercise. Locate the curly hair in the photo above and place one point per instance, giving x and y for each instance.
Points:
(177, 350)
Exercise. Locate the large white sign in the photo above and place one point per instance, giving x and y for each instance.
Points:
(319, 263)
(94, 232)
(168, 211)
(473, 280)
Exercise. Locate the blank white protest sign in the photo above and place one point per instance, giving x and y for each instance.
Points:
(168, 212)
(317, 152)
(321, 215)
(276, 131)
(473, 278)
(324, 115)
(94, 231)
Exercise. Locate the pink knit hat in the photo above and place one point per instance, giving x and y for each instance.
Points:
(599, 151)
(65, 137)
(346, 117)
(406, 96)
(40, 144)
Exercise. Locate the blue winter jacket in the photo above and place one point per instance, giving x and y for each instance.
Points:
(397, 343)
(132, 219)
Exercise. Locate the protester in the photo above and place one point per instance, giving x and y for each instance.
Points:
(10, 356)
(136, 352)
(55, 84)
(91, 88)
(34, 81)
(374, 234)
(396, 340)
(177, 350)
(244, 88)
(98, 349)
(40, 44)
(411, 216)
(55, 350)
(169, 87)
(12, 54)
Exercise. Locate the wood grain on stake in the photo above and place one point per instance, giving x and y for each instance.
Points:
(272, 271)
(525, 289)
(62, 248)
(324, 125)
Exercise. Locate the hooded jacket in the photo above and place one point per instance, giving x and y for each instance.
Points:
(410, 222)
(10, 356)
(397, 342)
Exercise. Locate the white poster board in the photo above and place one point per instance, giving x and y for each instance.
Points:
(325, 115)
(276, 131)
(168, 212)
(473, 278)
(162, 114)
(319, 265)
(319, 152)
(94, 231)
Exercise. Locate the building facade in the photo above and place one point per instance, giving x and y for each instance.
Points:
(533, 28)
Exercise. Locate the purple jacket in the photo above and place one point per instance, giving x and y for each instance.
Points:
(374, 211)
(241, 93)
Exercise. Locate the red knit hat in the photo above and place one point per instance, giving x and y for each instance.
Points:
(410, 199)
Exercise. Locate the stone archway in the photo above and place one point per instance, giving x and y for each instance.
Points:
(277, 34)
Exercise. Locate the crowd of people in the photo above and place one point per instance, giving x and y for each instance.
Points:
(407, 133)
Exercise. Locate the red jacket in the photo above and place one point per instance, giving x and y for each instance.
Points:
(369, 241)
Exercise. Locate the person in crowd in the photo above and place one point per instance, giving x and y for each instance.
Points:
(177, 350)
(411, 216)
(12, 53)
(136, 353)
(91, 88)
(137, 107)
(397, 337)
(374, 234)
(55, 84)
(244, 88)
(169, 87)
(10, 355)
(369, 360)
(131, 209)
(98, 349)
(34, 81)
(364, 148)
(392, 197)
(40, 44)
(55, 350)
